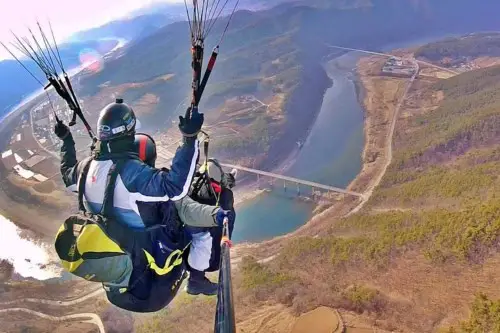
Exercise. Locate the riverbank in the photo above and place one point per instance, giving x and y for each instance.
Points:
(330, 155)
(379, 95)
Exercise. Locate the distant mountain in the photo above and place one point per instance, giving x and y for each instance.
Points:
(172, 11)
(135, 24)
(368, 24)
(16, 83)
(280, 50)
(128, 28)
(146, 20)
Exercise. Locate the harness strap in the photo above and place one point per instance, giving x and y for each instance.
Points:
(81, 184)
(108, 202)
(207, 176)
(199, 183)
(109, 192)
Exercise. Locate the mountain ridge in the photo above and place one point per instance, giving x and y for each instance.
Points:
(253, 47)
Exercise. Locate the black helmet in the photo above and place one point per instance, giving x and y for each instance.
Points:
(145, 146)
(116, 120)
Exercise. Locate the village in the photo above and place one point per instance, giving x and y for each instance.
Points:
(33, 152)
(399, 67)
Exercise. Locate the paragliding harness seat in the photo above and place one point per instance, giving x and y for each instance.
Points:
(203, 184)
(99, 249)
(208, 192)
(83, 242)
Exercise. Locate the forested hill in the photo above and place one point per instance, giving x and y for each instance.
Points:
(167, 50)
(474, 45)
(429, 235)
(279, 51)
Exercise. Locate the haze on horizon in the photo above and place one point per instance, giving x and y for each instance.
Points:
(66, 16)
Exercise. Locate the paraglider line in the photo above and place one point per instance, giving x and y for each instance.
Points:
(17, 59)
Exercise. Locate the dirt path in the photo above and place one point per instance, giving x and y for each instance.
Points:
(438, 67)
(390, 209)
(57, 303)
(91, 318)
(368, 193)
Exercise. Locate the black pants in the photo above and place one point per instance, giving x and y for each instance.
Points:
(162, 291)
(148, 291)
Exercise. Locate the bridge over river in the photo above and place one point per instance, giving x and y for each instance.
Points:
(293, 180)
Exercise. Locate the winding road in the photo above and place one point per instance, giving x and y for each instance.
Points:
(91, 318)
(388, 146)
(57, 303)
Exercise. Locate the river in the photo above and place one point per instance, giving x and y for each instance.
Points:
(331, 155)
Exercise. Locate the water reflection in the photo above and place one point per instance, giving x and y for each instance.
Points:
(30, 259)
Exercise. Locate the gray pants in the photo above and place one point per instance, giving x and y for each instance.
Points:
(198, 218)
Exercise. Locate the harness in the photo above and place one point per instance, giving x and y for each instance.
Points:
(122, 234)
(204, 177)
(108, 201)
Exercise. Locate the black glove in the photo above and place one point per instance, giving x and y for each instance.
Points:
(62, 131)
(222, 214)
(190, 124)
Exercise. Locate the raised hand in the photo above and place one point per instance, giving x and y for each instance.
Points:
(190, 125)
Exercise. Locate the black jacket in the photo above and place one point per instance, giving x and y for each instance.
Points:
(225, 199)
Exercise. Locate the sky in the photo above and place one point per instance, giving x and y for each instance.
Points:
(66, 16)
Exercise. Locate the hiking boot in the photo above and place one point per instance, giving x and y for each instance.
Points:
(196, 286)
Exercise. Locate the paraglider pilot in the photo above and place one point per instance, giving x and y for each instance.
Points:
(143, 282)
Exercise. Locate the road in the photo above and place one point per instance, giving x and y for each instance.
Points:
(391, 55)
(91, 318)
(94, 293)
(82, 317)
(388, 146)
(261, 103)
(34, 137)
